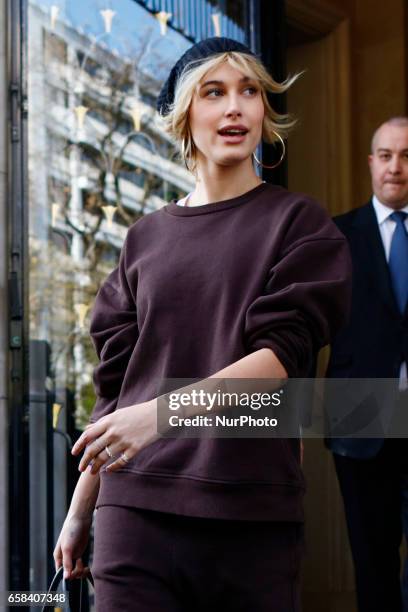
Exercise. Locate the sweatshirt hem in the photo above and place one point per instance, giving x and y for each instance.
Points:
(203, 498)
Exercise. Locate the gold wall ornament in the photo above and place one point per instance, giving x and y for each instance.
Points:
(54, 11)
(55, 209)
(79, 88)
(216, 19)
(136, 116)
(82, 182)
(110, 180)
(56, 410)
(81, 310)
(80, 112)
(163, 18)
(107, 16)
(109, 211)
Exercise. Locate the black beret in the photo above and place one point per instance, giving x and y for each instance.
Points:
(200, 51)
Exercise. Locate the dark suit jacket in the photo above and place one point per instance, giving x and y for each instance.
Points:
(375, 341)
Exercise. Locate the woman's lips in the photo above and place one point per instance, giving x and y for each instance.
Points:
(233, 138)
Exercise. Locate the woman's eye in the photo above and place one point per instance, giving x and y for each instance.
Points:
(217, 92)
(213, 93)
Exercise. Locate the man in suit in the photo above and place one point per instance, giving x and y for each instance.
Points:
(373, 473)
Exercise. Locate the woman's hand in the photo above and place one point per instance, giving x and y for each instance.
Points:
(70, 546)
(118, 435)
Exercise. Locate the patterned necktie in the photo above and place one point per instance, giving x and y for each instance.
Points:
(398, 261)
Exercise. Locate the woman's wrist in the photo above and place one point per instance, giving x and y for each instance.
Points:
(84, 498)
(82, 509)
(151, 407)
(80, 515)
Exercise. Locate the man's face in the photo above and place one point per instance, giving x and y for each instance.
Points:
(389, 166)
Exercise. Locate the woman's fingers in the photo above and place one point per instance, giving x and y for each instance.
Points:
(85, 572)
(57, 556)
(89, 435)
(92, 451)
(120, 462)
(79, 570)
(67, 563)
(96, 455)
(102, 458)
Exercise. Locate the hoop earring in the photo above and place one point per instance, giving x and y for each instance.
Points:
(281, 157)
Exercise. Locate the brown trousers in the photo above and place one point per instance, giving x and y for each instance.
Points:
(147, 561)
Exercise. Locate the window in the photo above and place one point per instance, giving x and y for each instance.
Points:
(79, 169)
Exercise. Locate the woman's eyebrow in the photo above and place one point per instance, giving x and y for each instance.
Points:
(243, 80)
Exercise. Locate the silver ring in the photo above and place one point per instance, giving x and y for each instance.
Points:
(124, 457)
(108, 452)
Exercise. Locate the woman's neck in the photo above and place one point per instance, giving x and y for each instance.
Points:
(222, 183)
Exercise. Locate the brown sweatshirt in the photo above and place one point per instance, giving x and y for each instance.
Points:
(195, 290)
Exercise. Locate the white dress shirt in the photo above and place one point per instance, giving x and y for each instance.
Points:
(387, 228)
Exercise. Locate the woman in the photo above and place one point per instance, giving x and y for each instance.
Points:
(240, 280)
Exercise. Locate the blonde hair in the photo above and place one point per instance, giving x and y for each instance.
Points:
(176, 122)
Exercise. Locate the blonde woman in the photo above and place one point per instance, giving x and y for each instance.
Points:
(240, 279)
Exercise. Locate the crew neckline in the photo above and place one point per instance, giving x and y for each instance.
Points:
(188, 211)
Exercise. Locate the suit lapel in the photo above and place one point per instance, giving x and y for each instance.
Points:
(372, 252)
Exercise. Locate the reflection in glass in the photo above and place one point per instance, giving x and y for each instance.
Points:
(98, 160)
(107, 16)
(163, 18)
(217, 24)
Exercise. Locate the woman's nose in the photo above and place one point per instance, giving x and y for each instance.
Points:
(233, 106)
